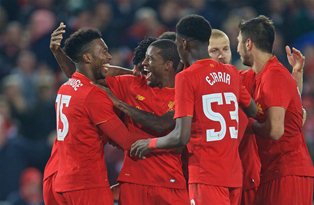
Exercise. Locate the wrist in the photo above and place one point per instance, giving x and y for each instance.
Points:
(250, 126)
(152, 143)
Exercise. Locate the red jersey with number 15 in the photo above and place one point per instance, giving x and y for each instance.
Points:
(209, 92)
(80, 107)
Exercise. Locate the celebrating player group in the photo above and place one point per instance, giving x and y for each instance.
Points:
(194, 129)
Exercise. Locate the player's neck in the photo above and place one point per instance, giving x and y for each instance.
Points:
(168, 82)
(83, 69)
(198, 54)
(260, 60)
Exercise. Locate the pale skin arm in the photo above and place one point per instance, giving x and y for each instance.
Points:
(273, 127)
(296, 59)
(178, 137)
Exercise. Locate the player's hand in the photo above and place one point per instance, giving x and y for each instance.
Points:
(56, 37)
(140, 148)
(115, 189)
(296, 59)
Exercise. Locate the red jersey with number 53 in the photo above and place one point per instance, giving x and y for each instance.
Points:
(80, 107)
(208, 91)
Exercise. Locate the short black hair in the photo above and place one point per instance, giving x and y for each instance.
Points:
(261, 31)
(140, 50)
(170, 35)
(79, 42)
(195, 27)
(168, 51)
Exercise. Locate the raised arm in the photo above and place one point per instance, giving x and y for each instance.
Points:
(65, 63)
(296, 59)
(68, 66)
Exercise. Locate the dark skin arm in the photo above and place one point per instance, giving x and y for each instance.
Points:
(179, 137)
(158, 124)
(251, 110)
(68, 66)
(65, 63)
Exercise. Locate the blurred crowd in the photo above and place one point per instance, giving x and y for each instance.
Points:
(30, 77)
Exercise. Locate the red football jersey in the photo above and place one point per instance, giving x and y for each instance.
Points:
(80, 107)
(209, 92)
(248, 148)
(158, 169)
(288, 155)
(52, 164)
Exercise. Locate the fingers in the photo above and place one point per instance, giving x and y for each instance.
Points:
(57, 36)
(288, 50)
(298, 53)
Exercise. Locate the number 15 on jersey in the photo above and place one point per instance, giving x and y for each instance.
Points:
(62, 100)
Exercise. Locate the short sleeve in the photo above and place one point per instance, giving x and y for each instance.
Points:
(276, 89)
(99, 107)
(244, 97)
(184, 96)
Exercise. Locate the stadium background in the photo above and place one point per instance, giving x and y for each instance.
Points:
(30, 77)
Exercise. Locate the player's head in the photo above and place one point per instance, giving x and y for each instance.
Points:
(168, 35)
(140, 52)
(161, 61)
(219, 46)
(256, 33)
(86, 47)
(192, 33)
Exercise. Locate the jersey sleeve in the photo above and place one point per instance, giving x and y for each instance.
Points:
(120, 85)
(99, 107)
(184, 97)
(276, 90)
(244, 97)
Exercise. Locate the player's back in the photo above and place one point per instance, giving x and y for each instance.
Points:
(81, 150)
(213, 144)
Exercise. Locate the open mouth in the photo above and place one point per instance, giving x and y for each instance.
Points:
(147, 74)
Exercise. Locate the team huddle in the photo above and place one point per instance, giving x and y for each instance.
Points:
(193, 128)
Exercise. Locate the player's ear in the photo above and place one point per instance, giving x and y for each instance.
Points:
(185, 44)
(248, 44)
(169, 65)
(87, 58)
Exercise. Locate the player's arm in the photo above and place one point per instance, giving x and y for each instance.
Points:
(68, 66)
(273, 127)
(156, 123)
(251, 109)
(159, 124)
(296, 59)
(65, 63)
(179, 137)
(246, 102)
(116, 131)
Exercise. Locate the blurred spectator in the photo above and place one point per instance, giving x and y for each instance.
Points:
(30, 191)
(10, 46)
(41, 23)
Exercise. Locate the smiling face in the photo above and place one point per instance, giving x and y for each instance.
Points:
(101, 56)
(219, 49)
(154, 64)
